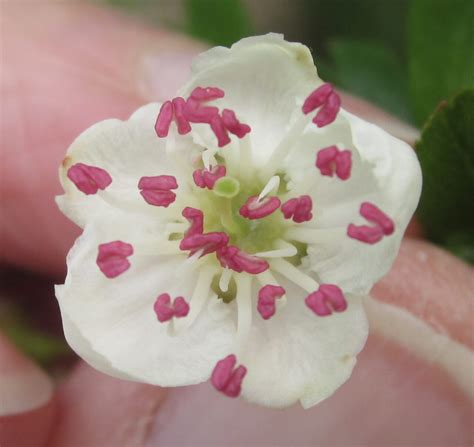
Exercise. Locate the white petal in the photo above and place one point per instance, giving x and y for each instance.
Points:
(112, 324)
(127, 150)
(385, 172)
(84, 349)
(265, 80)
(298, 356)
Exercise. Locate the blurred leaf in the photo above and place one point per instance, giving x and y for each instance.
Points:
(220, 22)
(372, 71)
(446, 153)
(441, 39)
(42, 347)
(373, 20)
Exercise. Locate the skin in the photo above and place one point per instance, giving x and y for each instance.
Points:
(68, 65)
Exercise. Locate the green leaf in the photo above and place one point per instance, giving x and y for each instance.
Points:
(372, 71)
(220, 22)
(446, 153)
(441, 60)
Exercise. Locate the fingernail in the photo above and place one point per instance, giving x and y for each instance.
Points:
(23, 386)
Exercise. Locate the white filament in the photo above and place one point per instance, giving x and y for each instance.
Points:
(244, 308)
(225, 278)
(272, 185)
(295, 275)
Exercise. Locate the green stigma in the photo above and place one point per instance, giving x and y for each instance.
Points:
(227, 187)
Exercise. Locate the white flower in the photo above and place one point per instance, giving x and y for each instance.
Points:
(240, 223)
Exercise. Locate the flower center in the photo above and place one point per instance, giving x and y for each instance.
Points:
(221, 207)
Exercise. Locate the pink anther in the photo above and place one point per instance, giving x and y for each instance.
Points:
(331, 160)
(383, 225)
(299, 209)
(317, 98)
(88, 179)
(217, 126)
(196, 219)
(226, 378)
(181, 122)
(163, 121)
(239, 261)
(328, 112)
(378, 217)
(165, 310)
(206, 242)
(267, 296)
(364, 233)
(157, 190)
(207, 93)
(112, 258)
(329, 102)
(196, 113)
(256, 209)
(233, 125)
(326, 299)
(206, 178)
(170, 110)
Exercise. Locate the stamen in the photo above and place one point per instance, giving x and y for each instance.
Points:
(375, 215)
(196, 219)
(224, 280)
(220, 131)
(257, 209)
(367, 234)
(244, 309)
(272, 185)
(239, 261)
(198, 300)
(317, 98)
(181, 122)
(331, 160)
(88, 179)
(283, 250)
(112, 258)
(267, 278)
(226, 379)
(267, 296)
(165, 311)
(163, 121)
(328, 112)
(207, 93)
(294, 274)
(313, 235)
(326, 299)
(364, 233)
(206, 178)
(196, 113)
(233, 125)
(157, 190)
(191, 263)
(207, 242)
(284, 146)
(298, 209)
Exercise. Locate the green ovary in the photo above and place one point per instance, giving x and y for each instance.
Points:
(221, 213)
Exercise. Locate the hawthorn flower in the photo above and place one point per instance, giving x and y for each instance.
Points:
(232, 232)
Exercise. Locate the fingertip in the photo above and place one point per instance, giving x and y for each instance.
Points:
(115, 412)
(26, 399)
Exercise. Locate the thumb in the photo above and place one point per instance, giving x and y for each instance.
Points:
(67, 65)
(26, 399)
